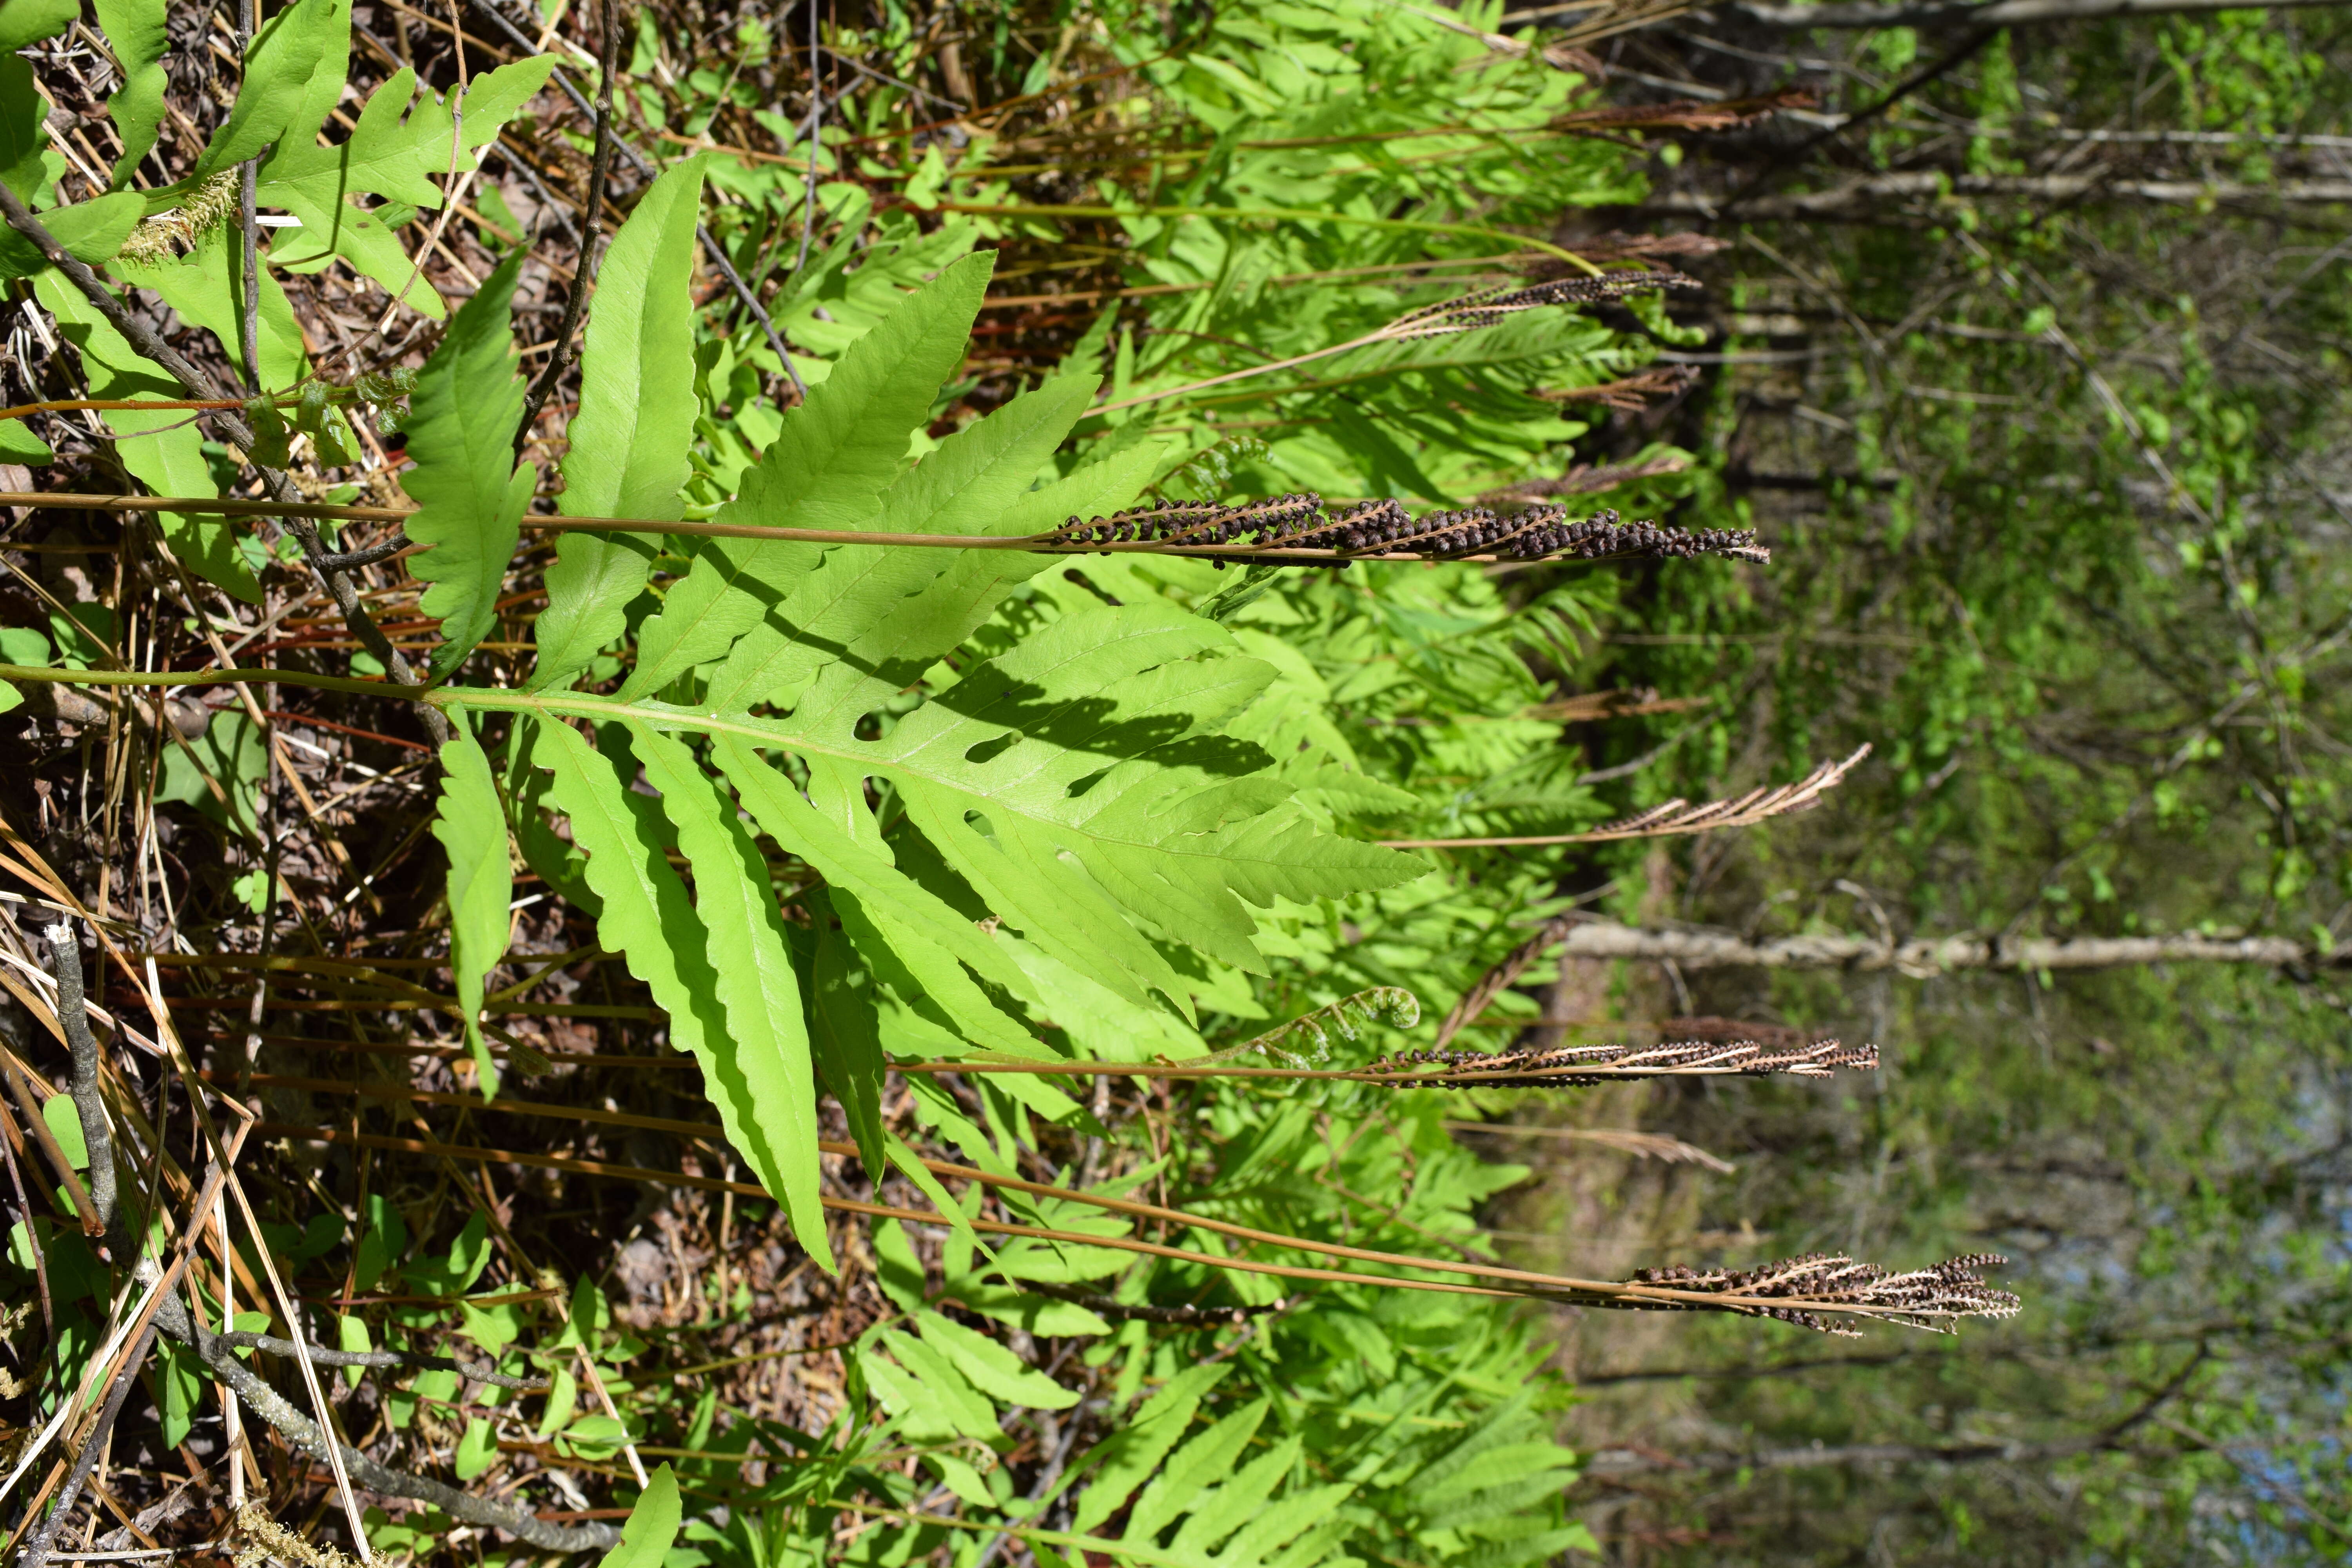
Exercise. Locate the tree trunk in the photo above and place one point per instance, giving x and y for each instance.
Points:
(1611, 1464)
(1922, 957)
(1999, 14)
(1868, 198)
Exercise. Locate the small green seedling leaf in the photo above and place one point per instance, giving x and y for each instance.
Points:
(652, 1525)
(65, 1125)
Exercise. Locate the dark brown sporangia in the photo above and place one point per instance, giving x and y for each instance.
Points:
(1564, 1065)
(1384, 529)
(1489, 306)
(1921, 1297)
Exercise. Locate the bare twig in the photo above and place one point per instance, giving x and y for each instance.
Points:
(816, 141)
(97, 1131)
(478, 1370)
(308, 1435)
(643, 165)
(38, 1549)
(750, 301)
(248, 233)
(592, 228)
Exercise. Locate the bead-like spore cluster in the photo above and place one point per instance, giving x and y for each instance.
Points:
(1384, 529)
(1572, 1065)
(1490, 306)
(1923, 1298)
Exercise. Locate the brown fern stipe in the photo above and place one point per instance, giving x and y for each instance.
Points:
(1567, 1065)
(1293, 529)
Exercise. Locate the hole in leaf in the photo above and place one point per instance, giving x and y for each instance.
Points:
(988, 750)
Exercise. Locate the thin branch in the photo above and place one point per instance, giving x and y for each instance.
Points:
(94, 1443)
(351, 560)
(816, 133)
(592, 227)
(750, 301)
(305, 1433)
(644, 166)
(250, 306)
(97, 1134)
(1959, 55)
(479, 1372)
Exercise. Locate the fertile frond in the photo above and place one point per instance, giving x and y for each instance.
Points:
(1293, 531)
(1561, 1066)
(1488, 306)
(1929, 1298)
(1306, 1039)
(1673, 817)
(1744, 811)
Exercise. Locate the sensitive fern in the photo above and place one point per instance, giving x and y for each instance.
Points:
(1078, 788)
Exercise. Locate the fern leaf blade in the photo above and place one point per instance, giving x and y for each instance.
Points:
(802, 830)
(758, 1073)
(835, 454)
(470, 492)
(628, 444)
(843, 1037)
(1122, 1461)
(869, 618)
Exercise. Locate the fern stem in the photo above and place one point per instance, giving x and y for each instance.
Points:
(1586, 1292)
(1039, 543)
(1082, 1544)
(1268, 369)
(1300, 215)
(46, 675)
(1127, 1206)
(72, 405)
